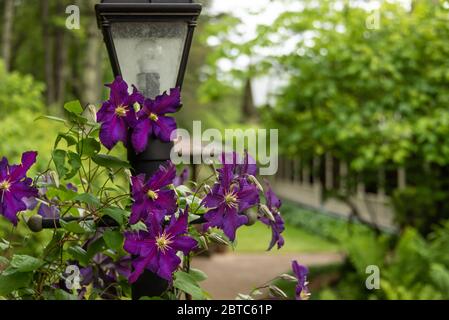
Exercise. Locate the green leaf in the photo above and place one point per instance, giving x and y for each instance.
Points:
(110, 161)
(117, 214)
(51, 118)
(75, 163)
(79, 254)
(88, 147)
(95, 247)
(59, 161)
(69, 139)
(185, 282)
(113, 239)
(24, 263)
(88, 198)
(197, 274)
(53, 250)
(15, 281)
(72, 226)
(63, 295)
(74, 107)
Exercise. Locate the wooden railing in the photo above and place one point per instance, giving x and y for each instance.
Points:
(304, 182)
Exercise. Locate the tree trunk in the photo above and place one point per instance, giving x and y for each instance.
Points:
(8, 19)
(47, 41)
(92, 71)
(60, 64)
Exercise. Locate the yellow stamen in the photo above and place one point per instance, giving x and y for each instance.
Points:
(153, 117)
(163, 242)
(121, 111)
(5, 185)
(231, 200)
(152, 195)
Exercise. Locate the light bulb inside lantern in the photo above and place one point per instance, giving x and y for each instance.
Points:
(149, 54)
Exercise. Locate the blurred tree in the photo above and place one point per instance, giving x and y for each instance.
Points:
(8, 18)
(368, 87)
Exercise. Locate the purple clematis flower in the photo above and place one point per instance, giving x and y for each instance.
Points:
(229, 197)
(277, 226)
(104, 271)
(117, 114)
(242, 167)
(182, 178)
(15, 187)
(301, 272)
(157, 248)
(51, 210)
(152, 119)
(152, 197)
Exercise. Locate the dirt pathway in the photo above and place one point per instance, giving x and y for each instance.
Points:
(230, 274)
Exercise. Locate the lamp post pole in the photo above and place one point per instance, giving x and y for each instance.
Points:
(149, 83)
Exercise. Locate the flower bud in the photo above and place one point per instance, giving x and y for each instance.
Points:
(203, 242)
(91, 113)
(137, 107)
(275, 291)
(266, 212)
(215, 237)
(288, 277)
(256, 182)
(207, 188)
(54, 178)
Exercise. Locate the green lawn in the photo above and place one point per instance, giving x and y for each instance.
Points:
(257, 238)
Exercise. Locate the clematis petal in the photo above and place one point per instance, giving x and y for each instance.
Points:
(164, 127)
(141, 132)
(272, 200)
(10, 206)
(19, 172)
(168, 263)
(232, 222)
(138, 212)
(168, 103)
(4, 168)
(182, 178)
(184, 244)
(166, 201)
(248, 196)
(106, 112)
(119, 91)
(137, 185)
(214, 218)
(133, 242)
(178, 226)
(214, 198)
(163, 177)
(113, 131)
(139, 265)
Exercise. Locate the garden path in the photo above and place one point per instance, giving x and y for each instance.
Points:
(233, 273)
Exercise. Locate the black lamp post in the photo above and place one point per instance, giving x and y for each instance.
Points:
(148, 43)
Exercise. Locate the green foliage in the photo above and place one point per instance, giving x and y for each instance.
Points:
(415, 268)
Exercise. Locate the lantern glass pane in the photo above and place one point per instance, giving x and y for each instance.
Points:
(149, 54)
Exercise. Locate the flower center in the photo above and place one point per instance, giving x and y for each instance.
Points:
(136, 107)
(121, 111)
(152, 195)
(231, 200)
(163, 242)
(5, 185)
(153, 116)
